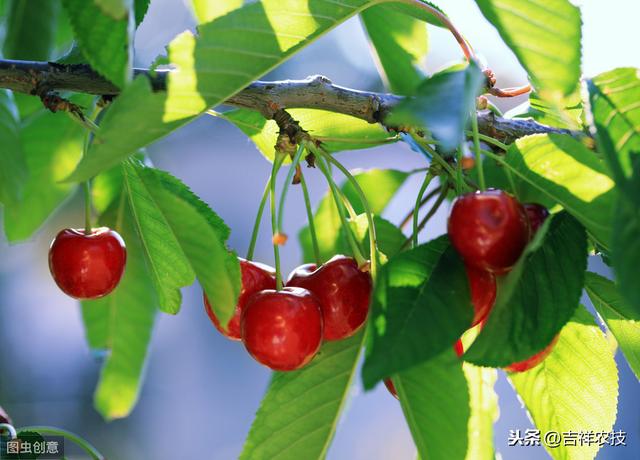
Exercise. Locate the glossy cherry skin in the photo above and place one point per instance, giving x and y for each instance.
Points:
(255, 277)
(530, 363)
(282, 329)
(489, 229)
(87, 266)
(344, 292)
(483, 292)
(537, 214)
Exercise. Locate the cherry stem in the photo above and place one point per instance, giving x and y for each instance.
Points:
(373, 243)
(499, 159)
(476, 147)
(490, 140)
(424, 201)
(446, 22)
(87, 207)
(257, 222)
(427, 180)
(85, 445)
(443, 194)
(277, 162)
(312, 225)
(510, 92)
(357, 254)
(285, 187)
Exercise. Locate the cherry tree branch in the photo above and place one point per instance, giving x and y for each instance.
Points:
(316, 92)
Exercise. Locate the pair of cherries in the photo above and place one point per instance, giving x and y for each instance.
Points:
(490, 230)
(87, 265)
(284, 329)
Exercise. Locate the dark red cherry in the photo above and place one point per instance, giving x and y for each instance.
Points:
(87, 266)
(489, 229)
(343, 290)
(530, 363)
(282, 329)
(391, 387)
(537, 214)
(483, 292)
(255, 277)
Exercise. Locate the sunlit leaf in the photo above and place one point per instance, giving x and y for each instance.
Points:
(336, 131)
(116, 9)
(621, 318)
(421, 305)
(574, 389)
(545, 36)
(207, 10)
(537, 297)
(614, 100)
(571, 175)
(400, 44)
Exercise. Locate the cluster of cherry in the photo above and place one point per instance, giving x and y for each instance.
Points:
(490, 229)
(283, 329)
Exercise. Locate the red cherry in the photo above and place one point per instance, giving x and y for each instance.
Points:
(343, 290)
(489, 229)
(87, 266)
(282, 329)
(483, 292)
(391, 387)
(255, 277)
(537, 214)
(533, 361)
(459, 348)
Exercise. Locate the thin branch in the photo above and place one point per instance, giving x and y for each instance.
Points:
(315, 92)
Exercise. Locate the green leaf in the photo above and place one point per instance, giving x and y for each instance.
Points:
(140, 8)
(536, 298)
(400, 44)
(545, 36)
(378, 185)
(435, 401)
(31, 27)
(336, 131)
(229, 53)
(484, 411)
(614, 100)
(183, 237)
(104, 41)
(116, 9)
(571, 175)
(299, 414)
(122, 323)
(442, 104)
(13, 168)
(625, 249)
(167, 262)
(206, 10)
(621, 318)
(421, 305)
(51, 145)
(574, 389)
(419, 13)
(390, 238)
